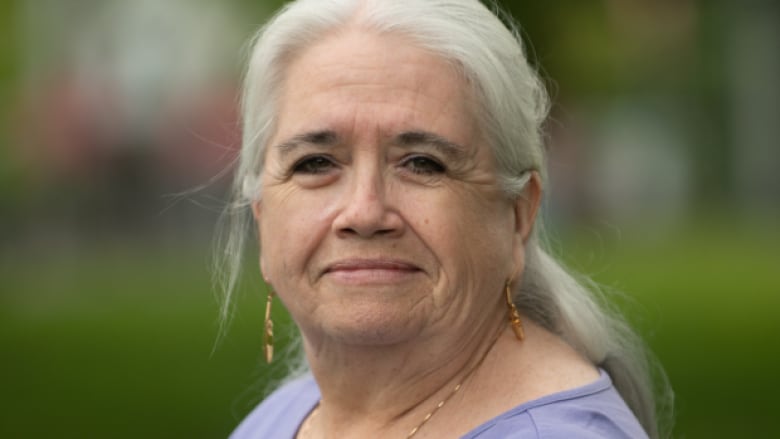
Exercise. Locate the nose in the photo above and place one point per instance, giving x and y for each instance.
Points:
(365, 211)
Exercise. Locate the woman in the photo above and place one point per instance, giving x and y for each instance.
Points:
(393, 161)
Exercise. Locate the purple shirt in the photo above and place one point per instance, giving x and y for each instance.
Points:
(595, 410)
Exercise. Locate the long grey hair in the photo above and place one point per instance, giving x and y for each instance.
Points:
(486, 48)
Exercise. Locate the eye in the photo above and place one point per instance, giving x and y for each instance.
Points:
(313, 165)
(423, 165)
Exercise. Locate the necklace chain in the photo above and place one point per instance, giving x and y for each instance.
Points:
(455, 389)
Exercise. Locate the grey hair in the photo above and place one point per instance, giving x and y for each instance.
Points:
(512, 107)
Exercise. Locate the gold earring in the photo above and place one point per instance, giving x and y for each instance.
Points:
(514, 316)
(268, 336)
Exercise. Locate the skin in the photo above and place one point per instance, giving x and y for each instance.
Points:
(385, 234)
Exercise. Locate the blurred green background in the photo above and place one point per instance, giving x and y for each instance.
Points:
(664, 157)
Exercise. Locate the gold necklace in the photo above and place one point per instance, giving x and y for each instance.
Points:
(456, 388)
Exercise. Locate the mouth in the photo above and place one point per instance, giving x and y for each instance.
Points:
(371, 271)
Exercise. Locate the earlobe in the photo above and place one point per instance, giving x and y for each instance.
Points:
(527, 206)
(256, 211)
(262, 268)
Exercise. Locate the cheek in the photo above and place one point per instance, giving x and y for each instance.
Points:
(483, 239)
(291, 231)
(468, 234)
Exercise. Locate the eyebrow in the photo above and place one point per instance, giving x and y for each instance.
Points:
(416, 138)
(329, 138)
(322, 138)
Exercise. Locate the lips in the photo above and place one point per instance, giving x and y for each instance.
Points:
(371, 270)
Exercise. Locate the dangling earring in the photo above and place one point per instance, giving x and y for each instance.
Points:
(514, 316)
(268, 336)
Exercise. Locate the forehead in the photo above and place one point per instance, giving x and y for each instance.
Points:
(357, 78)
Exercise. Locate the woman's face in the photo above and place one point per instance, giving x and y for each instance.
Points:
(381, 217)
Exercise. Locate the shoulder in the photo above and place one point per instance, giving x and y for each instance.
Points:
(594, 411)
(280, 413)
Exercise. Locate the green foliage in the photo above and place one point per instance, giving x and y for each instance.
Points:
(706, 300)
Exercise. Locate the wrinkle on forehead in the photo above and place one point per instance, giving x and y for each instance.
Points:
(393, 68)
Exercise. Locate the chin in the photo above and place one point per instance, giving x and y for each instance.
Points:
(373, 324)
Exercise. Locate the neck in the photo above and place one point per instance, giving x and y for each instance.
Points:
(390, 389)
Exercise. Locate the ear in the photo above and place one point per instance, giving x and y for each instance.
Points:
(526, 206)
(256, 211)
(256, 208)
